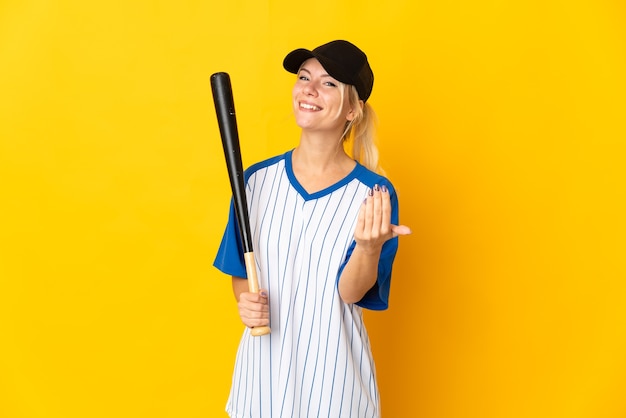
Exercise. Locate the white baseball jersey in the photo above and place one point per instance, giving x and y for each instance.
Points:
(317, 360)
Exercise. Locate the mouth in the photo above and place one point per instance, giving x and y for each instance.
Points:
(308, 106)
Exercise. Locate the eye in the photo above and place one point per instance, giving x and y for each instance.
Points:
(303, 77)
(330, 84)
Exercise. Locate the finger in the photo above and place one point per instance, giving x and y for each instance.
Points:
(246, 312)
(369, 208)
(251, 298)
(253, 302)
(252, 321)
(377, 226)
(252, 317)
(258, 323)
(400, 230)
(386, 210)
(256, 296)
(360, 221)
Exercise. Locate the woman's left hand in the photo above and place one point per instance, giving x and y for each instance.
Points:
(374, 226)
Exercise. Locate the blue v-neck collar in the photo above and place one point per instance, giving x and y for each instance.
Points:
(316, 195)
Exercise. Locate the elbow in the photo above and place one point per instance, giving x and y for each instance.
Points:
(349, 299)
(352, 294)
(352, 288)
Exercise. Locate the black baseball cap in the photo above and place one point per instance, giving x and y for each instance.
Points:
(342, 60)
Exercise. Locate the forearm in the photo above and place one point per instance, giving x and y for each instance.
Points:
(359, 275)
(239, 285)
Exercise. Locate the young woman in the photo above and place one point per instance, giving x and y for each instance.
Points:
(325, 230)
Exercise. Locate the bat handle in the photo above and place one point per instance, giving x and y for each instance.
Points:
(253, 287)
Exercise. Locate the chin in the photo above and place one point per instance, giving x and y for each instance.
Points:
(303, 123)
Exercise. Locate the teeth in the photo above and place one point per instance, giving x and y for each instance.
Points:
(308, 106)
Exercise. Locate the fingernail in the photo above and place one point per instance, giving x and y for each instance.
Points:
(376, 188)
(264, 294)
(371, 192)
(384, 188)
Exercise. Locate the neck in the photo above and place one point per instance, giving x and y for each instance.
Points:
(318, 153)
(318, 162)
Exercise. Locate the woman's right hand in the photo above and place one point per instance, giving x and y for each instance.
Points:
(254, 309)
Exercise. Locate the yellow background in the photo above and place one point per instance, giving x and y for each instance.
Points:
(501, 125)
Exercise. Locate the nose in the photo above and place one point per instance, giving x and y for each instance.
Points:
(310, 90)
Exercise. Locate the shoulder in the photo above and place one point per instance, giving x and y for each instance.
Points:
(371, 179)
(264, 164)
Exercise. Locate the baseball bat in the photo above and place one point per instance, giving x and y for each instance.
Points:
(227, 121)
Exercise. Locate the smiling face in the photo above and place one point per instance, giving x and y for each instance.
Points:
(319, 102)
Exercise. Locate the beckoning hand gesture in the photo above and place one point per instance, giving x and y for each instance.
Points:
(374, 226)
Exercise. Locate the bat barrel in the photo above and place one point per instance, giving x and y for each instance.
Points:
(227, 121)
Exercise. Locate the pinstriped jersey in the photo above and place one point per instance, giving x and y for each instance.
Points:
(317, 361)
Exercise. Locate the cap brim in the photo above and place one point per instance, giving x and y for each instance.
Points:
(294, 59)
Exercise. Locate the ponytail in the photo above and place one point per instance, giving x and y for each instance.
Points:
(360, 133)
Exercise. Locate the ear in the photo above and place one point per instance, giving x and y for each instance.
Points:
(352, 114)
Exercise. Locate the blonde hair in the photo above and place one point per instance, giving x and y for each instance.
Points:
(359, 137)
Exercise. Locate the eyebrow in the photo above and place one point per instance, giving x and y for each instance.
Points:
(323, 75)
